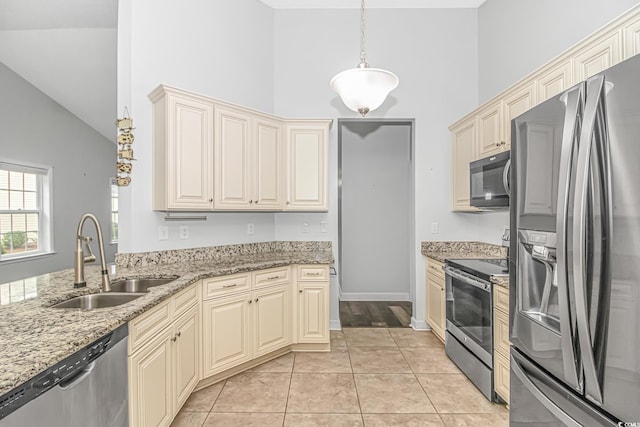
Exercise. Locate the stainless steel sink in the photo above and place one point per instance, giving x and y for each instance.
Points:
(93, 301)
(138, 284)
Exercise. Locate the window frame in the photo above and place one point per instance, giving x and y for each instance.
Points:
(44, 186)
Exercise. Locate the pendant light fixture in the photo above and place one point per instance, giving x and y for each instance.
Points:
(363, 89)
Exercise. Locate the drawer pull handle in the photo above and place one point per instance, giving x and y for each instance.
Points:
(273, 277)
(317, 273)
(230, 286)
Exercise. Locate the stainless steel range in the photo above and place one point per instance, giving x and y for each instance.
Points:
(469, 334)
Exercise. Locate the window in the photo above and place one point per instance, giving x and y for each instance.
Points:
(25, 220)
(114, 211)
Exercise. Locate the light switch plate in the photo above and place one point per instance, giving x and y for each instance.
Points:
(435, 228)
(305, 227)
(323, 226)
(163, 232)
(250, 228)
(184, 231)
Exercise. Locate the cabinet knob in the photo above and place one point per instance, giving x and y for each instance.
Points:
(300, 291)
(503, 143)
(250, 301)
(250, 201)
(174, 339)
(288, 203)
(211, 199)
(497, 144)
(178, 334)
(257, 299)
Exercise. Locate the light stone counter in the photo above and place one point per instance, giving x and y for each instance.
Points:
(34, 336)
(443, 250)
(501, 281)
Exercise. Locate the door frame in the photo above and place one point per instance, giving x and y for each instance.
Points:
(412, 200)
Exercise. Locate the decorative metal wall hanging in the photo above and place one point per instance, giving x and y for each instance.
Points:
(125, 152)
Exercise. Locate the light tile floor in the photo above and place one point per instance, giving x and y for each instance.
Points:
(371, 377)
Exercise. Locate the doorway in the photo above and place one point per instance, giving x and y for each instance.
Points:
(376, 209)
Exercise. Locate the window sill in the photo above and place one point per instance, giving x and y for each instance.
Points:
(26, 257)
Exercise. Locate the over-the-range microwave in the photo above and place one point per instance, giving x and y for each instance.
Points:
(489, 181)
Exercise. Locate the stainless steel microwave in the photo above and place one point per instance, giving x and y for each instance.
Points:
(489, 181)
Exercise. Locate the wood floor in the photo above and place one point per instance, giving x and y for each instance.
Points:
(377, 314)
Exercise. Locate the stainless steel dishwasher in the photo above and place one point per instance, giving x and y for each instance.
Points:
(87, 389)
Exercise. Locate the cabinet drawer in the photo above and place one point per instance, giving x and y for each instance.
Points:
(501, 372)
(435, 267)
(436, 280)
(271, 276)
(501, 332)
(309, 273)
(501, 298)
(185, 299)
(146, 326)
(219, 286)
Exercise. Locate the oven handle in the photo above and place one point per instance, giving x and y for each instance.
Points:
(481, 284)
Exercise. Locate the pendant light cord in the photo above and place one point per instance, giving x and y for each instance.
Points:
(363, 55)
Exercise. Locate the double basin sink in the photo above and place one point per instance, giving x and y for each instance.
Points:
(122, 292)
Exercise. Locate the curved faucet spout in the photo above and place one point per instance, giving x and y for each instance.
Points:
(80, 258)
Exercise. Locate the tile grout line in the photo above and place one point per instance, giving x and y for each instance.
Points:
(353, 377)
(286, 403)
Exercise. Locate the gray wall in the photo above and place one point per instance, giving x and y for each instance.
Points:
(38, 130)
(375, 211)
(517, 36)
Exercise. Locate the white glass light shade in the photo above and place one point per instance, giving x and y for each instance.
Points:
(364, 89)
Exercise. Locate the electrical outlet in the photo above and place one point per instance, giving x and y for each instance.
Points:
(250, 228)
(163, 232)
(323, 226)
(434, 228)
(184, 231)
(305, 227)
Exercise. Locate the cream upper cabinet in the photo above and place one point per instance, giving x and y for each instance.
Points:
(631, 34)
(232, 159)
(435, 282)
(313, 304)
(211, 155)
(515, 103)
(182, 151)
(463, 146)
(249, 161)
(597, 56)
(307, 165)
(490, 139)
(554, 80)
(268, 165)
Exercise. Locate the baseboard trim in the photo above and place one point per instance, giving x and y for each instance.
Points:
(335, 325)
(375, 296)
(419, 325)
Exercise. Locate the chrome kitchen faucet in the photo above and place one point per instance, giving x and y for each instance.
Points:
(80, 258)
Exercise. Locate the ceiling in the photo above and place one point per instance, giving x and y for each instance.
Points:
(67, 49)
(372, 4)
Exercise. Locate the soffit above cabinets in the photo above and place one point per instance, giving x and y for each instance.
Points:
(373, 4)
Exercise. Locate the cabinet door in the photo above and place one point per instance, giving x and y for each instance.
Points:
(189, 162)
(307, 158)
(514, 104)
(631, 34)
(435, 305)
(232, 161)
(501, 373)
(225, 333)
(555, 80)
(463, 141)
(269, 169)
(490, 139)
(186, 348)
(150, 382)
(597, 57)
(313, 312)
(272, 319)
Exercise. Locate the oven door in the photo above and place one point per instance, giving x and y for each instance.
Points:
(469, 312)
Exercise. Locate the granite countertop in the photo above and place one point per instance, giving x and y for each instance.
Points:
(440, 251)
(502, 281)
(34, 336)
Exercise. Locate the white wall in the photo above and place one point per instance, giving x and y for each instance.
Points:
(517, 36)
(221, 48)
(37, 130)
(433, 52)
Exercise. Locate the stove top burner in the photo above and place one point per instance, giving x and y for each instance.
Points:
(483, 268)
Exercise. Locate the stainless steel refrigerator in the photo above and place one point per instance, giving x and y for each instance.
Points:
(575, 255)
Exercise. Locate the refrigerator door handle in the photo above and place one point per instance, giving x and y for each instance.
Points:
(539, 395)
(593, 390)
(574, 102)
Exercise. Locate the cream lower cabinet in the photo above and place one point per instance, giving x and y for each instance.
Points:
(501, 365)
(436, 308)
(313, 304)
(244, 326)
(164, 364)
